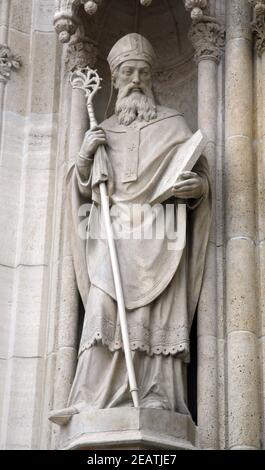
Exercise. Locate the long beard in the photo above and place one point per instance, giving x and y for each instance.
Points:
(135, 106)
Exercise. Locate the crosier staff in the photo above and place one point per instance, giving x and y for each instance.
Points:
(88, 80)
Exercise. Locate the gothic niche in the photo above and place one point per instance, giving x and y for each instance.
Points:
(92, 28)
(165, 24)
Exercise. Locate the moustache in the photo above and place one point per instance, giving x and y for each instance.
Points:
(128, 89)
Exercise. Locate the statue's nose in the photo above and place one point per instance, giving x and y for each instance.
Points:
(136, 78)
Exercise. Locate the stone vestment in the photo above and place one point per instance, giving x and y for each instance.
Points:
(161, 292)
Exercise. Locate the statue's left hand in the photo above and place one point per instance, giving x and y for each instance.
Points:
(189, 186)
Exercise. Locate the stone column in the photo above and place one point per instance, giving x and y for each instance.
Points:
(241, 279)
(258, 28)
(80, 53)
(207, 37)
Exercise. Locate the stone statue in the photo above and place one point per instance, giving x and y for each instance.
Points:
(161, 288)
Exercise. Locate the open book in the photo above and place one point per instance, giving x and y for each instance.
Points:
(183, 160)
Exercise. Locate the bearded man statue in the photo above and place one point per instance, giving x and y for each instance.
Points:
(161, 284)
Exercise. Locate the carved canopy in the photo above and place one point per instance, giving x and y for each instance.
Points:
(67, 18)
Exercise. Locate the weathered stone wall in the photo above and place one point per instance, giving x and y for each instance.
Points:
(42, 122)
(27, 185)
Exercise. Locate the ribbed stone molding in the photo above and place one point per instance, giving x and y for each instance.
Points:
(8, 61)
(208, 39)
(258, 25)
(241, 268)
(258, 29)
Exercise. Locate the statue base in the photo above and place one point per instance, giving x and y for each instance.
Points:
(130, 429)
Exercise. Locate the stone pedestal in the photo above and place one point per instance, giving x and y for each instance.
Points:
(129, 428)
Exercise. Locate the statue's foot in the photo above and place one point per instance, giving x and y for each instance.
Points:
(63, 416)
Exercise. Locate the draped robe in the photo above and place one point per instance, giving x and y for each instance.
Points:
(161, 288)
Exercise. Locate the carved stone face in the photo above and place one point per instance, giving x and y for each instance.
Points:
(135, 101)
(133, 76)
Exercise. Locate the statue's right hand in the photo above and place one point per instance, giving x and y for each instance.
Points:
(93, 138)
